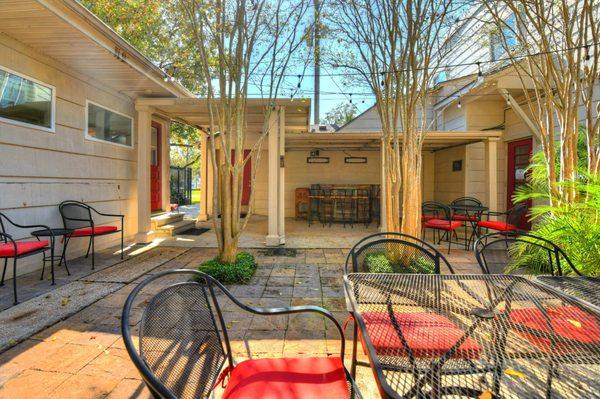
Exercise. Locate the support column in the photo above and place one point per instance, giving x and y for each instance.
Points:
(382, 203)
(491, 167)
(281, 176)
(273, 235)
(165, 169)
(204, 183)
(143, 130)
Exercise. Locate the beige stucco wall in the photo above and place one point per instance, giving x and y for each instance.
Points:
(448, 184)
(41, 169)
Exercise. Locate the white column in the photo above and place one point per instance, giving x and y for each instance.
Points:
(281, 177)
(382, 203)
(272, 238)
(165, 166)
(143, 132)
(491, 167)
(204, 183)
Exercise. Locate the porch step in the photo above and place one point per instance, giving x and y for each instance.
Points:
(170, 229)
(164, 219)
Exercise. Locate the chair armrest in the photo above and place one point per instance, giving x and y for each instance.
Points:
(108, 214)
(9, 238)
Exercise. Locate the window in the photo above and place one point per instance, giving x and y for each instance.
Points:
(24, 101)
(108, 126)
(507, 36)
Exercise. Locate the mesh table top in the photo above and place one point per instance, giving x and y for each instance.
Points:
(582, 287)
(475, 336)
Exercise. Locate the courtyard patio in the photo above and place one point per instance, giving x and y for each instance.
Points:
(64, 341)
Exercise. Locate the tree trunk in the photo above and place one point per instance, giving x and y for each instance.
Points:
(411, 195)
(229, 252)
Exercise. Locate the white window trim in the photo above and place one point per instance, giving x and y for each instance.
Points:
(90, 138)
(52, 128)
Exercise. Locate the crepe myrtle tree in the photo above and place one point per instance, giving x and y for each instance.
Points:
(554, 50)
(394, 47)
(248, 48)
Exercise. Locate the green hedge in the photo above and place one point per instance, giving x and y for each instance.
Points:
(239, 272)
(379, 262)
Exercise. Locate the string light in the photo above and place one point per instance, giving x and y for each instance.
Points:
(459, 105)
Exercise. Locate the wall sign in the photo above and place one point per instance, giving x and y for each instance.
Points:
(355, 159)
(457, 165)
(317, 160)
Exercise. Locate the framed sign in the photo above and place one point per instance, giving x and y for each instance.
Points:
(457, 165)
(355, 160)
(317, 160)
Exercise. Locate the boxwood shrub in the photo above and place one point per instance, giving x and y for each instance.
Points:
(239, 272)
(378, 262)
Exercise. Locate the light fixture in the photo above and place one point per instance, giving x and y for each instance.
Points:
(459, 105)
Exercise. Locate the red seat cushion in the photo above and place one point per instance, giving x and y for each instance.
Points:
(98, 230)
(426, 218)
(465, 218)
(428, 335)
(23, 247)
(496, 225)
(288, 378)
(442, 224)
(572, 325)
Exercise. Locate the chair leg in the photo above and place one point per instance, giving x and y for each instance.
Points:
(43, 265)
(93, 252)
(121, 244)
(4, 272)
(449, 241)
(51, 263)
(89, 246)
(63, 257)
(15, 280)
(354, 348)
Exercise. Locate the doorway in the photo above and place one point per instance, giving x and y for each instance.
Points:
(246, 177)
(155, 168)
(519, 157)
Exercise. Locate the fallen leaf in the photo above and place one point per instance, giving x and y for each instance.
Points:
(65, 301)
(485, 395)
(514, 373)
(575, 323)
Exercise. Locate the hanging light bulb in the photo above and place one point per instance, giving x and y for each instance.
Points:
(479, 74)
(459, 105)
(508, 102)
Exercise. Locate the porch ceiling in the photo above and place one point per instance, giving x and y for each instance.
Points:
(194, 111)
(434, 140)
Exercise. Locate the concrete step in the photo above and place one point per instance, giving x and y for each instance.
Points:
(170, 229)
(165, 218)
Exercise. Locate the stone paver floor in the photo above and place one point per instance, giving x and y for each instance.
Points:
(81, 354)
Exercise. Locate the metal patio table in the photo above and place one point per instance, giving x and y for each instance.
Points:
(585, 288)
(493, 336)
(53, 234)
(470, 211)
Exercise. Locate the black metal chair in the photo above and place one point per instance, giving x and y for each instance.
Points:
(79, 217)
(438, 217)
(390, 252)
(314, 205)
(513, 218)
(326, 206)
(184, 349)
(13, 249)
(495, 254)
(363, 206)
(469, 218)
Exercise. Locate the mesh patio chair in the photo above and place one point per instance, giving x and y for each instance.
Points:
(468, 216)
(184, 348)
(397, 253)
(496, 253)
(513, 218)
(11, 248)
(466, 201)
(79, 217)
(438, 217)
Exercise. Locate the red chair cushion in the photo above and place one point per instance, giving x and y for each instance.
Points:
(428, 335)
(98, 230)
(23, 247)
(288, 378)
(465, 218)
(426, 218)
(496, 225)
(442, 224)
(572, 325)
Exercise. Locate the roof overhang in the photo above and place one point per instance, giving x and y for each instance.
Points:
(361, 141)
(194, 112)
(69, 33)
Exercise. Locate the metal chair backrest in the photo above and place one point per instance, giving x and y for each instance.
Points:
(496, 254)
(3, 230)
(390, 252)
(468, 201)
(183, 341)
(515, 214)
(76, 215)
(436, 210)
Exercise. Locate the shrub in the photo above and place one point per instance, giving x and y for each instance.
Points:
(380, 263)
(239, 272)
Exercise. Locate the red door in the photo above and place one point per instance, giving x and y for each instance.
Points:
(155, 180)
(519, 156)
(247, 177)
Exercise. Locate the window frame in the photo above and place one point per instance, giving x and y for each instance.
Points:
(90, 138)
(52, 128)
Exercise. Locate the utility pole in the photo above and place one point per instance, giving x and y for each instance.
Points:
(317, 49)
